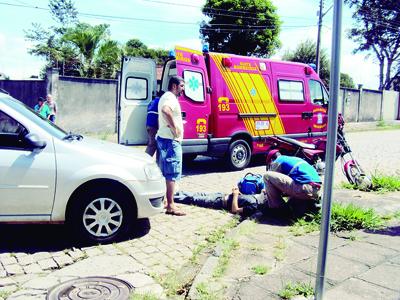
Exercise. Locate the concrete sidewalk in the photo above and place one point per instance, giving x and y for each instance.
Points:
(361, 265)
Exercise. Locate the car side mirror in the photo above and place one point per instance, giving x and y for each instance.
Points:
(33, 141)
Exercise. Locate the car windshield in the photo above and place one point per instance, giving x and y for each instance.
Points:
(44, 123)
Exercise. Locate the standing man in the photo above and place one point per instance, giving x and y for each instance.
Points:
(293, 177)
(53, 108)
(169, 138)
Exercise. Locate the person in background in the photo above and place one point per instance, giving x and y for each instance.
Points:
(293, 177)
(53, 108)
(42, 108)
(152, 126)
(169, 138)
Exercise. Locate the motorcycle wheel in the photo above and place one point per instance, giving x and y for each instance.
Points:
(354, 176)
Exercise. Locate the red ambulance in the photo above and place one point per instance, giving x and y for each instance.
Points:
(230, 105)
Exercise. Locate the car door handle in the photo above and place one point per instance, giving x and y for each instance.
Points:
(306, 115)
(183, 115)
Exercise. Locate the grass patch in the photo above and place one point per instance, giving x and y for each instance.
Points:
(146, 296)
(6, 294)
(204, 292)
(279, 249)
(382, 125)
(380, 184)
(260, 269)
(228, 245)
(174, 283)
(343, 218)
(384, 183)
(296, 289)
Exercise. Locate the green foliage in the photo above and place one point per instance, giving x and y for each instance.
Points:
(147, 296)
(380, 184)
(241, 27)
(346, 81)
(376, 31)
(63, 12)
(260, 269)
(136, 48)
(47, 42)
(383, 183)
(343, 218)
(204, 292)
(228, 245)
(298, 288)
(306, 53)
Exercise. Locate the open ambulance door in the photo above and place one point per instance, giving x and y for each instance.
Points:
(137, 87)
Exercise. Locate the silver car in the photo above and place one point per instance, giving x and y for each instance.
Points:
(48, 175)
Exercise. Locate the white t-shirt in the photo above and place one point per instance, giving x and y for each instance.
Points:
(170, 100)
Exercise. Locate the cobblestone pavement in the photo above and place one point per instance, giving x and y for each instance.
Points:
(33, 258)
(36, 257)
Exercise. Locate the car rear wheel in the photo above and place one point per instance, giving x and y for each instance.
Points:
(239, 155)
(102, 215)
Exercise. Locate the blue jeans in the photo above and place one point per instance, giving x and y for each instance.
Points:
(170, 158)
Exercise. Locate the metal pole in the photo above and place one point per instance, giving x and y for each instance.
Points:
(330, 150)
(317, 59)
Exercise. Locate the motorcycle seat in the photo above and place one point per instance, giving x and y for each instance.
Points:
(298, 143)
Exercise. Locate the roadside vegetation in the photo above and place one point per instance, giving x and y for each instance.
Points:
(382, 125)
(380, 184)
(177, 283)
(343, 218)
(147, 296)
(296, 289)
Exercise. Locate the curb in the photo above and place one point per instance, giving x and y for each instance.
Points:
(207, 270)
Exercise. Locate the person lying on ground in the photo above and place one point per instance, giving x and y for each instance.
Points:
(236, 203)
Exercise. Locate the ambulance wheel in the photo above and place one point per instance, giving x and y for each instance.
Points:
(239, 155)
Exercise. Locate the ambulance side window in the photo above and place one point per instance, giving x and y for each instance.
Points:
(194, 85)
(290, 90)
(136, 88)
(317, 93)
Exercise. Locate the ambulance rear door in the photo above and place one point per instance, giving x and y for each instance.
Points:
(137, 87)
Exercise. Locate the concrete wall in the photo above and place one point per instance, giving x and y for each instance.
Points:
(85, 105)
(349, 103)
(390, 108)
(370, 106)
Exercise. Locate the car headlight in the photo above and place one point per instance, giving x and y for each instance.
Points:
(152, 171)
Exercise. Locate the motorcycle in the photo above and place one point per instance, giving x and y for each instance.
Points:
(314, 154)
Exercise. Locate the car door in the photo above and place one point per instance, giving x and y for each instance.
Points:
(27, 177)
(137, 87)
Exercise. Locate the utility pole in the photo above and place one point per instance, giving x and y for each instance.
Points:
(321, 6)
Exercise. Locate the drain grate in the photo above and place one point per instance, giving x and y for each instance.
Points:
(91, 288)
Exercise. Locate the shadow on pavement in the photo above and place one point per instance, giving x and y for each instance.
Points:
(204, 165)
(32, 238)
(392, 231)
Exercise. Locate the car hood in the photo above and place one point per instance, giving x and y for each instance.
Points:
(97, 147)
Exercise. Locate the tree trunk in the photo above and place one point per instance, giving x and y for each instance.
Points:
(388, 80)
(381, 68)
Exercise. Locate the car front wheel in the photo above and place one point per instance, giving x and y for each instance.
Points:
(102, 216)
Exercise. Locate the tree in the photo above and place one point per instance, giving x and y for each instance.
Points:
(245, 27)
(306, 53)
(47, 41)
(108, 60)
(377, 31)
(136, 48)
(95, 49)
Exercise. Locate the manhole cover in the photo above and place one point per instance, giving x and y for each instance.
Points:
(93, 288)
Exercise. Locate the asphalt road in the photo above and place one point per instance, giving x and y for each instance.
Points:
(378, 152)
